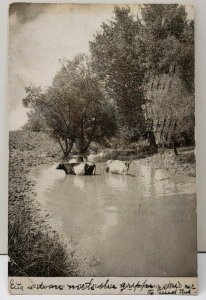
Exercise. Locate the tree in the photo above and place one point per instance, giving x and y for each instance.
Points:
(45, 107)
(170, 110)
(34, 122)
(169, 37)
(117, 58)
(88, 106)
(169, 41)
(73, 108)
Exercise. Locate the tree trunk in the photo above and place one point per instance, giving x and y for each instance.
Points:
(82, 138)
(152, 140)
(60, 144)
(68, 147)
(90, 138)
(168, 131)
(161, 133)
(175, 149)
(174, 140)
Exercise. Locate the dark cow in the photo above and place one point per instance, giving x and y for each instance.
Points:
(84, 168)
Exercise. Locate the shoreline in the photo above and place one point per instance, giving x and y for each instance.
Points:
(183, 164)
(35, 247)
(29, 223)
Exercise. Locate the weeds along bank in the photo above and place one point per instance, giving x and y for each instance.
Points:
(35, 249)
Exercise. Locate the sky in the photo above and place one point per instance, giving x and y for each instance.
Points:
(40, 35)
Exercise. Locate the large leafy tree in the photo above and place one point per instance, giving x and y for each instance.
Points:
(117, 57)
(169, 41)
(169, 37)
(74, 108)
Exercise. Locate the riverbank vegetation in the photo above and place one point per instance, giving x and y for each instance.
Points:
(133, 93)
(35, 247)
(137, 84)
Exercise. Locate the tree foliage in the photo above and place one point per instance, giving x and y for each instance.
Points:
(169, 37)
(129, 53)
(169, 40)
(73, 108)
(138, 81)
(117, 58)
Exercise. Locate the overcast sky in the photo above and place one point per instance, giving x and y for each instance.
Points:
(40, 35)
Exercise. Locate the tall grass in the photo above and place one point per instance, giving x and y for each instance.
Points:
(35, 249)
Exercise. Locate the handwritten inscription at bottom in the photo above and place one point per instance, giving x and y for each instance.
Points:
(98, 285)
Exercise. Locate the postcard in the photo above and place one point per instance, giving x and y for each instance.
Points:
(102, 196)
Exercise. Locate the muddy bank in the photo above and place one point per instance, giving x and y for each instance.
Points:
(35, 248)
(183, 164)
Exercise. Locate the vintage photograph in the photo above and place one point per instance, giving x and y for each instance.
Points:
(102, 140)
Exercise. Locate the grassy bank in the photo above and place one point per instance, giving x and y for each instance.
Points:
(35, 248)
(183, 164)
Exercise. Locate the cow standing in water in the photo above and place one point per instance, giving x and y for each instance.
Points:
(82, 168)
(117, 167)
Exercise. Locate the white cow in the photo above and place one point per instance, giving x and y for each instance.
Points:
(117, 167)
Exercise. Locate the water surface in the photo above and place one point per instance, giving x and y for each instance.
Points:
(143, 224)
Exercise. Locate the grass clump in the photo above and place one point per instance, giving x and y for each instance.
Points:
(35, 248)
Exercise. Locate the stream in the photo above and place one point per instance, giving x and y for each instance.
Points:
(140, 224)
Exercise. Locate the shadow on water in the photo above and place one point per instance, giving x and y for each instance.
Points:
(131, 175)
(141, 224)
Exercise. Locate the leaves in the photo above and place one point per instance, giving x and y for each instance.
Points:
(73, 108)
(136, 62)
(116, 57)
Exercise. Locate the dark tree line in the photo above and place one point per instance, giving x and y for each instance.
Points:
(138, 81)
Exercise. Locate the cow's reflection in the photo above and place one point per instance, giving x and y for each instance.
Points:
(117, 182)
(79, 182)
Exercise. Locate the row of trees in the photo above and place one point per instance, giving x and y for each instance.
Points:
(140, 72)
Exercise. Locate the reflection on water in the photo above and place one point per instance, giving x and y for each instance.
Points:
(143, 224)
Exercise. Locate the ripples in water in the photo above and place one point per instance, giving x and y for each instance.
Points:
(142, 224)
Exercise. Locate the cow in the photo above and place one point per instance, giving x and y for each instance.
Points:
(117, 167)
(83, 168)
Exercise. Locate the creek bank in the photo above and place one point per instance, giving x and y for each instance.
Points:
(183, 164)
(35, 248)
